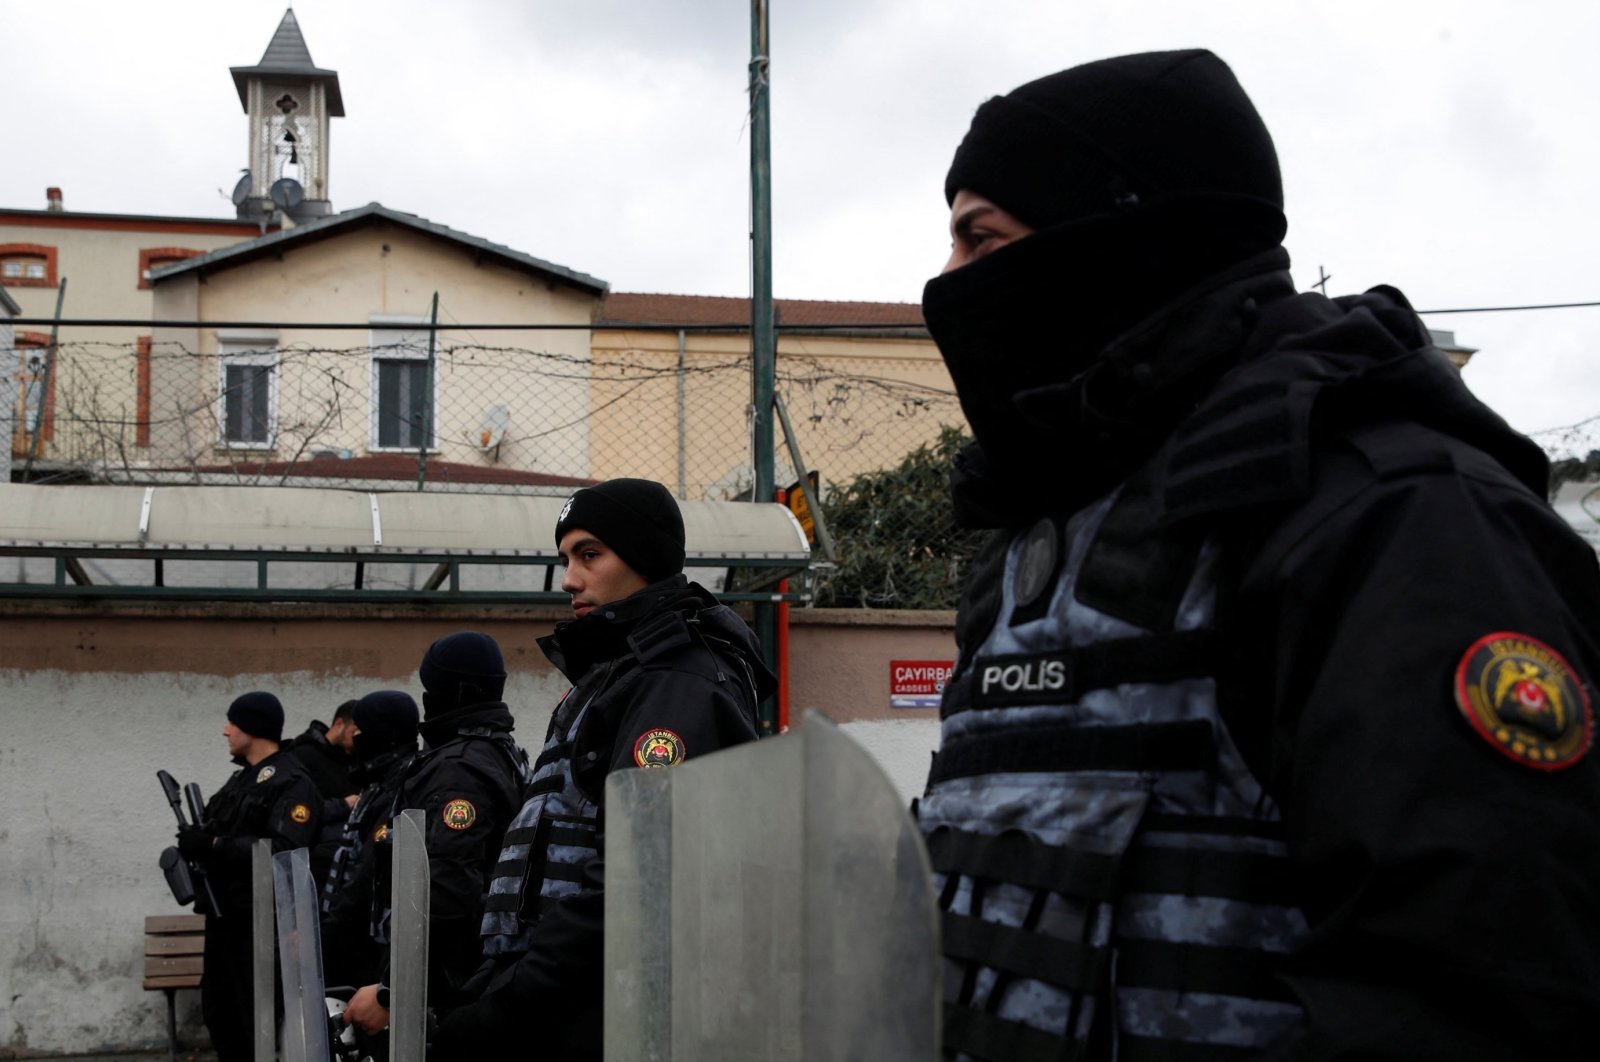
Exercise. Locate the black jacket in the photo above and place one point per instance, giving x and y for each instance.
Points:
(1453, 894)
(668, 658)
(468, 784)
(275, 800)
(355, 919)
(1377, 523)
(329, 769)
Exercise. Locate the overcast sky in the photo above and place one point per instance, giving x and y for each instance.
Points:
(1451, 149)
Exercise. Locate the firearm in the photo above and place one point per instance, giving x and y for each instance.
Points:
(185, 878)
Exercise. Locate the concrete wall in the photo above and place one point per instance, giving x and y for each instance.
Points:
(96, 699)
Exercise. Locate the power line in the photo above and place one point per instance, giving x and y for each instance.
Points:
(1508, 309)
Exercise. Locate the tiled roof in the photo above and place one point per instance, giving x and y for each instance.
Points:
(324, 227)
(287, 54)
(627, 307)
(287, 50)
(401, 467)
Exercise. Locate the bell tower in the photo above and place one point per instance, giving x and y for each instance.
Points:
(290, 101)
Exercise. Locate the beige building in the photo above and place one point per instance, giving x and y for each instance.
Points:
(105, 260)
(287, 343)
(270, 385)
(861, 382)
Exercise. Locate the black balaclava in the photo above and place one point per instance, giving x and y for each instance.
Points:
(257, 714)
(638, 519)
(461, 669)
(1144, 177)
(386, 722)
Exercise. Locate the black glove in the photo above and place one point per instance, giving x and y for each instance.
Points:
(195, 842)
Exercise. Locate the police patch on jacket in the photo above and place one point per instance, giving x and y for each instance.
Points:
(460, 814)
(1523, 698)
(1037, 564)
(658, 748)
(300, 813)
(265, 773)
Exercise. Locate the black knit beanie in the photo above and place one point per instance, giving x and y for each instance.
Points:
(385, 720)
(637, 518)
(257, 714)
(461, 669)
(1118, 134)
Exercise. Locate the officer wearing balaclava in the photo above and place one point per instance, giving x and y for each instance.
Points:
(357, 893)
(468, 784)
(1270, 730)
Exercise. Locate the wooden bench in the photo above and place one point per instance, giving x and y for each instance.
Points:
(174, 955)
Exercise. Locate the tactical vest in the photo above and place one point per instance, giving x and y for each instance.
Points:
(369, 824)
(396, 800)
(556, 832)
(1113, 879)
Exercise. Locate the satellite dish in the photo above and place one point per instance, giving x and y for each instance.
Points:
(287, 193)
(496, 421)
(241, 191)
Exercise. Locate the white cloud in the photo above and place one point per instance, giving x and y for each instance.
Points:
(1443, 147)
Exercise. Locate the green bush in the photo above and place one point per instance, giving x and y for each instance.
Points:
(895, 534)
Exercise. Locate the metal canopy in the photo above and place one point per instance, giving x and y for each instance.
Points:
(318, 528)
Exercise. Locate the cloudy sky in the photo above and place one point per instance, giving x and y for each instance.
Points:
(1450, 149)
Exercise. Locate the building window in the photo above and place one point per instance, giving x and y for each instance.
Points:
(404, 403)
(247, 404)
(27, 265)
(36, 392)
(153, 258)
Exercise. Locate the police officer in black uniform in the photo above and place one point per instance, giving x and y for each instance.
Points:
(269, 797)
(1270, 730)
(324, 751)
(468, 781)
(355, 918)
(661, 673)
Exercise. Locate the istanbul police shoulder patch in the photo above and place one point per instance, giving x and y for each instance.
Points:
(265, 773)
(1036, 563)
(300, 813)
(459, 814)
(1523, 698)
(658, 748)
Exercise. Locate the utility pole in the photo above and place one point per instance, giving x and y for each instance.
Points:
(427, 396)
(763, 338)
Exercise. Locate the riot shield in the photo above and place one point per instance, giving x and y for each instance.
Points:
(771, 901)
(408, 941)
(305, 1015)
(261, 951)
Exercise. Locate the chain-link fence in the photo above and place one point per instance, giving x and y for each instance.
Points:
(393, 414)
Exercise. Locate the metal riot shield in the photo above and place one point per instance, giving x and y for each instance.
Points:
(261, 952)
(408, 940)
(771, 901)
(305, 1014)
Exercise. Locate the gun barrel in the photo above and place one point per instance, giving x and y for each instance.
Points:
(197, 806)
(169, 786)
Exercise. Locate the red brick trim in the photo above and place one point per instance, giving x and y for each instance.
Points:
(34, 251)
(40, 341)
(141, 428)
(154, 257)
(245, 230)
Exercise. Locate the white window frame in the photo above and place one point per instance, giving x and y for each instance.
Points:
(256, 350)
(395, 337)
